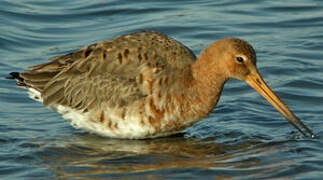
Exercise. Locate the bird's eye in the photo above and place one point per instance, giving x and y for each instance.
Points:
(239, 59)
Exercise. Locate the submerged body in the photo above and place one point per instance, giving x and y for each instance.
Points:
(144, 84)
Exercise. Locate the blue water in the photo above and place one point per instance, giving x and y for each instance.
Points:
(243, 138)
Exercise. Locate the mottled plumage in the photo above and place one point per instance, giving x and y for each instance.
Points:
(139, 85)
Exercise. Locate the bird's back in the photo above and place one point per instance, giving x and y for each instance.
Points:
(128, 78)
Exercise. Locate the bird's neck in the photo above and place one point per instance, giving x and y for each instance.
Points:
(208, 81)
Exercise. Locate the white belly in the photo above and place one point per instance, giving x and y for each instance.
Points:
(127, 128)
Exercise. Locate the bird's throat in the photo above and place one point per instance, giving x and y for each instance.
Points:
(208, 82)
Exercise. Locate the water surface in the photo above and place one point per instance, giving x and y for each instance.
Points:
(243, 138)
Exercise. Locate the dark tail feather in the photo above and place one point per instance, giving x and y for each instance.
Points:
(16, 76)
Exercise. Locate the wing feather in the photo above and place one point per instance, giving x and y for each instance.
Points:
(110, 72)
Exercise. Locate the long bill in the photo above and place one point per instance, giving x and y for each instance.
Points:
(255, 81)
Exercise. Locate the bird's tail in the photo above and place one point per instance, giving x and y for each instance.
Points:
(16, 76)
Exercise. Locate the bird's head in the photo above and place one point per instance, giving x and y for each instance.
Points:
(236, 58)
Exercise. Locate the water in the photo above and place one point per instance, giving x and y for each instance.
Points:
(243, 138)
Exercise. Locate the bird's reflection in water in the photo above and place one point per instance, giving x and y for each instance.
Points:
(90, 156)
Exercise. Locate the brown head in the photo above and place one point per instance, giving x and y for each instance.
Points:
(235, 58)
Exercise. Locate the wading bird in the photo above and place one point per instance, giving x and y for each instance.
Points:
(144, 84)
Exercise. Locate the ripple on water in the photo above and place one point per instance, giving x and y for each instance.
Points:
(243, 138)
